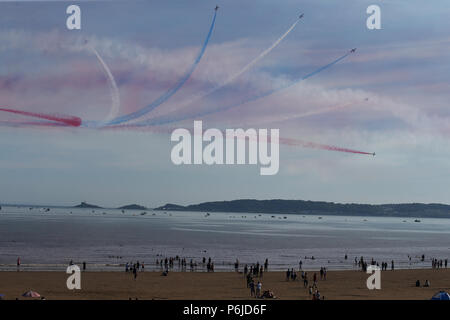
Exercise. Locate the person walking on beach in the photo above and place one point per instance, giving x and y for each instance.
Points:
(258, 289)
(84, 265)
(392, 265)
(252, 288)
(134, 272)
(18, 263)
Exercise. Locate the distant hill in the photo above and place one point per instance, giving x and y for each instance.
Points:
(87, 205)
(417, 210)
(133, 207)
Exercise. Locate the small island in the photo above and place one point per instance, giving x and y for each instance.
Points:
(85, 205)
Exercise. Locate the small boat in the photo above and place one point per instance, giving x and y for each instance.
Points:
(417, 220)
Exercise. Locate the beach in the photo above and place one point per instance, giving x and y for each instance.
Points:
(348, 285)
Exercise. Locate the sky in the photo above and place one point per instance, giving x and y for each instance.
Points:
(390, 97)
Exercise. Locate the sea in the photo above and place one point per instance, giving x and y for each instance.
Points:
(106, 239)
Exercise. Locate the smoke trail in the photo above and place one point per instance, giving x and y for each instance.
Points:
(303, 114)
(67, 120)
(115, 97)
(245, 68)
(168, 119)
(284, 141)
(313, 145)
(173, 90)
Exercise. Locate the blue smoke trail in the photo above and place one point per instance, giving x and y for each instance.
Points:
(172, 91)
(167, 119)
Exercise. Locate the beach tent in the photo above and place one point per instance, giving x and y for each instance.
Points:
(31, 294)
(441, 295)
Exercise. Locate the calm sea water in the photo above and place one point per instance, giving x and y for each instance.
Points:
(106, 239)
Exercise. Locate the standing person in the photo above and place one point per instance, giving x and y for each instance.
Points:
(258, 289)
(266, 264)
(261, 272)
(142, 267)
(18, 263)
(392, 265)
(134, 272)
(252, 288)
(84, 265)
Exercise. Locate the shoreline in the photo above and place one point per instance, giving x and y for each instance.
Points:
(351, 285)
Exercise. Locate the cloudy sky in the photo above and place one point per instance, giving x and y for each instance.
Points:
(403, 69)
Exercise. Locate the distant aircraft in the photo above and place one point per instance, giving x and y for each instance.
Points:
(367, 99)
(301, 16)
(373, 154)
(217, 8)
(353, 50)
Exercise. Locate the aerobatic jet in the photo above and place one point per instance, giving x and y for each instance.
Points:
(301, 16)
(353, 50)
(217, 8)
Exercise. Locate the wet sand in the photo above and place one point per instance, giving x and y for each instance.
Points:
(399, 284)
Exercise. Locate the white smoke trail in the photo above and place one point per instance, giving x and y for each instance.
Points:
(115, 97)
(301, 114)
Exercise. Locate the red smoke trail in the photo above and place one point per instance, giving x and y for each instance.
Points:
(285, 141)
(71, 121)
(313, 145)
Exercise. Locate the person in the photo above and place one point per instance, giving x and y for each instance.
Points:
(288, 274)
(249, 279)
(252, 288)
(418, 283)
(126, 267)
(427, 283)
(18, 263)
(134, 272)
(258, 289)
(392, 265)
(142, 267)
(84, 265)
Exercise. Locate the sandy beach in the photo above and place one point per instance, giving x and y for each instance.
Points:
(349, 285)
